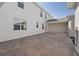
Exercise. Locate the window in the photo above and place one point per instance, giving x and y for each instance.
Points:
(45, 16)
(41, 14)
(17, 26)
(37, 25)
(21, 5)
(20, 26)
(23, 25)
(43, 26)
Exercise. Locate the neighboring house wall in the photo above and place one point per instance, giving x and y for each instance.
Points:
(10, 13)
(77, 29)
(60, 27)
(71, 26)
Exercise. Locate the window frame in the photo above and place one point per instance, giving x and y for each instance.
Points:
(45, 16)
(41, 14)
(23, 25)
(21, 5)
(17, 28)
(37, 25)
(43, 26)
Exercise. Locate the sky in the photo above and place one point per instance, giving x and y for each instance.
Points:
(57, 9)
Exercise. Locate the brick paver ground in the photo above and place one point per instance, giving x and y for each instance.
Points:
(45, 44)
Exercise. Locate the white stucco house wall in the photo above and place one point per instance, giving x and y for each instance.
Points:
(75, 24)
(77, 29)
(71, 26)
(18, 19)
